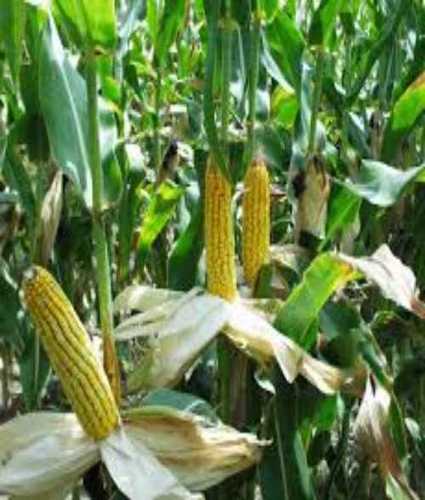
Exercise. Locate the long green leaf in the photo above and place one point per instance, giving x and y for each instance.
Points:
(171, 21)
(63, 101)
(184, 259)
(287, 45)
(405, 114)
(381, 184)
(159, 211)
(12, 25)
(300, 312)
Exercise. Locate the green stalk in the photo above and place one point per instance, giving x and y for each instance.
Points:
(99, 234)
(252, 86)
(225, 73)
(316, 100)
(157, 123)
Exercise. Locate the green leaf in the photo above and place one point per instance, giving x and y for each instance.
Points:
(180, 401)
(34, 370)
(381, 184)
(63, 99)
(377, 47)
(323, 23)
(172, 17)
(159, 211)
(92, 22)
(343, 208)
(287, 43)
(9, 309)
(300, 312)
(12, 25)
(284, 473)
(184, 258)
(404, 116)
(18, 178)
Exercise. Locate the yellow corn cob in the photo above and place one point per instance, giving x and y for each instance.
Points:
(219, 238)
(256, 220)
(69, 349)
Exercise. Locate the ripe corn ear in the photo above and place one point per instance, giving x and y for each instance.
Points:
(69, 349)
(256, 220)
(219, 237)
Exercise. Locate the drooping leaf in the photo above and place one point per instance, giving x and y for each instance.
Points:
(63, 99)
(396, 281)
(299, 313)
(381, 184)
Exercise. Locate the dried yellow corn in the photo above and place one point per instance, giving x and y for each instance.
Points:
(256, 220)
(219, 237)
(69, 349)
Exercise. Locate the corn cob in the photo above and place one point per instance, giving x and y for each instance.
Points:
(69, 349)
(256, 220)
(219, 238)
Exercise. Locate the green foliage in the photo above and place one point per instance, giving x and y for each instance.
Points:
(332, 94)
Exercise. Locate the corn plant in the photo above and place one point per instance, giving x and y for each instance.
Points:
(211, 249)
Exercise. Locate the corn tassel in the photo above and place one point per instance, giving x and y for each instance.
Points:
(256, 220)
(69, 349)
(219, 238)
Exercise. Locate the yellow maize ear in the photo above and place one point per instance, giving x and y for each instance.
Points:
(69, 349)
(256, 220)
(219, 237)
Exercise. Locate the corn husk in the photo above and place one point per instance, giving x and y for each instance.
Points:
(176, 340)
(159, 453)
(198, 453)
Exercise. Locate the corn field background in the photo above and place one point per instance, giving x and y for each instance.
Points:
(230, 194)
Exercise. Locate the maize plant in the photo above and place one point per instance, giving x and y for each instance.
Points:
(256, 220)
(221, 205)
(85, 384)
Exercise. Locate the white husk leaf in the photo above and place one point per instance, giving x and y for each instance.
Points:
(50, 217)
(143, 298)
(177, 340)
(257, 337)
(373, 435)
(43, 452)
(137, 472)
(395, 280)
(200, 453)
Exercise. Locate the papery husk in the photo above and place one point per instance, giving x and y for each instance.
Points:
(374, 438)
(137, 472)
(43, 453)
(200, 453)
(176, 341)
